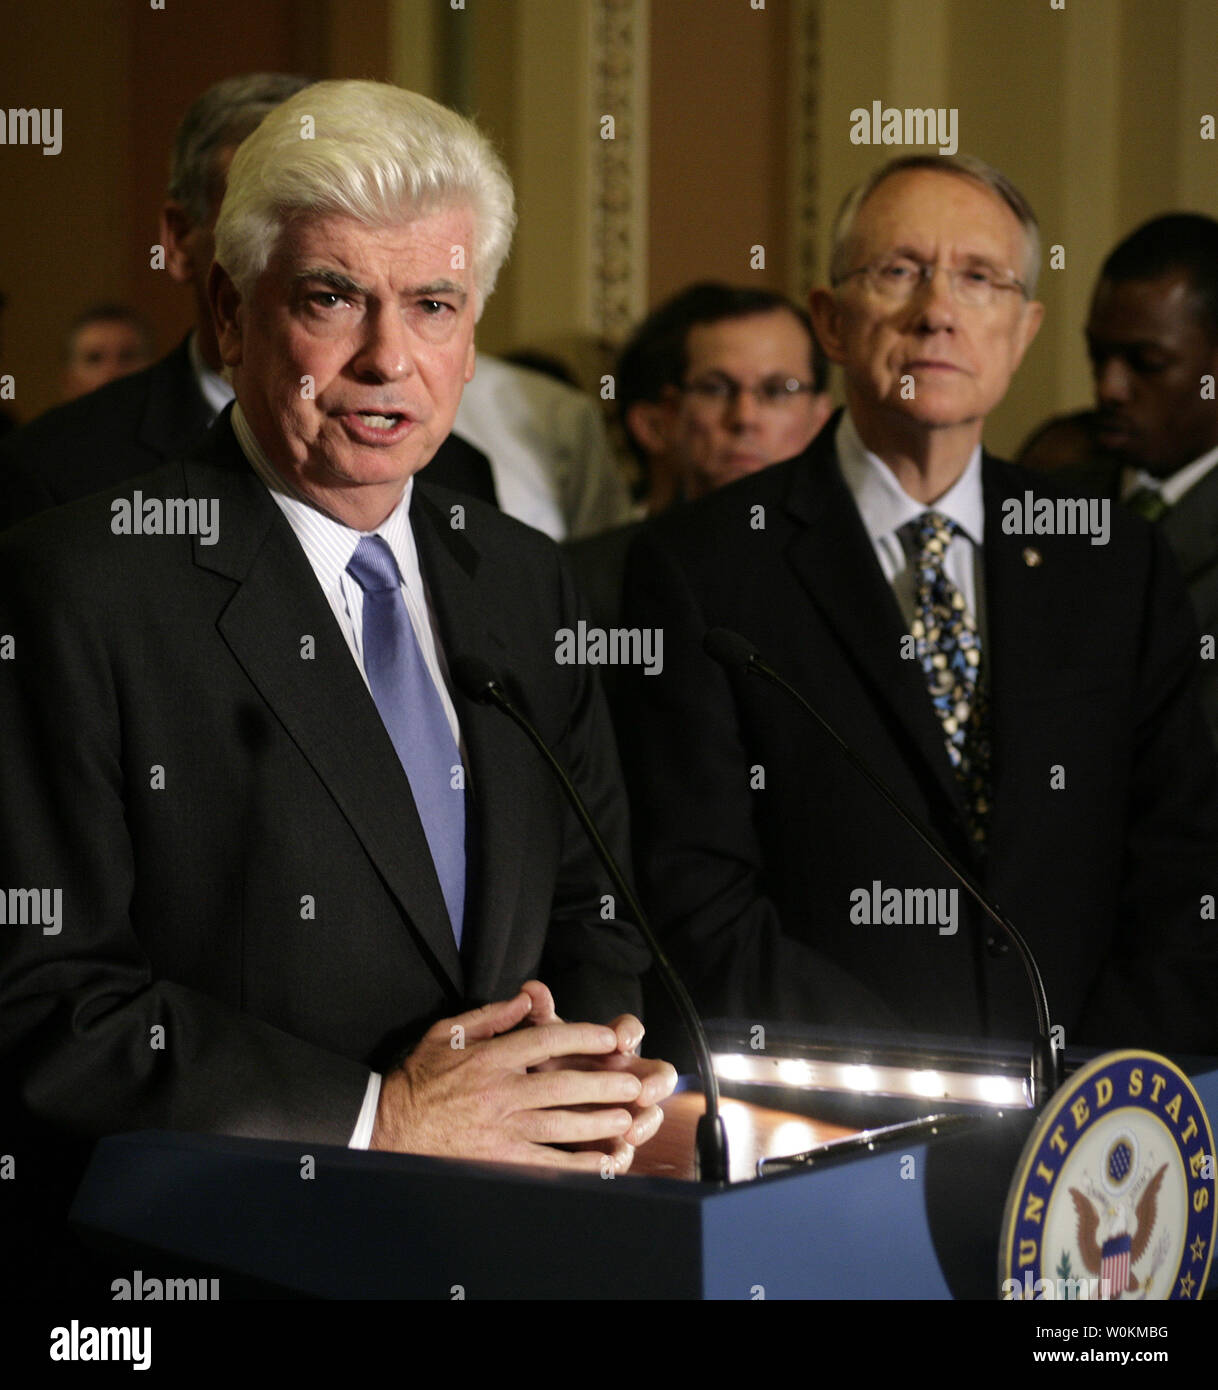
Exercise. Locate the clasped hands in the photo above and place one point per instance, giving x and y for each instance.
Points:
(566, 1095)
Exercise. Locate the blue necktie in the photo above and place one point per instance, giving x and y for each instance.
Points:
(414, 717)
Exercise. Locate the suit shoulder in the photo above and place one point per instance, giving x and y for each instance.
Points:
(729, 513)
(69, 533)
(1014, 490)
(484, 523)
(80, 420)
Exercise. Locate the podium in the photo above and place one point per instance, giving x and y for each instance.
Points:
(917, 1221)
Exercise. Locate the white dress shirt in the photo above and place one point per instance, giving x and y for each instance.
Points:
(1170, 489)
(886, 507)
(548, 448)
(329, 545)
(212, 387)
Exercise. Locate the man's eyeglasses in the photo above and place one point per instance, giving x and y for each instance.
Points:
(775, 393)
(898, 278)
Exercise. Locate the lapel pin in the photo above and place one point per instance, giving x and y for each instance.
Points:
(1031, 557)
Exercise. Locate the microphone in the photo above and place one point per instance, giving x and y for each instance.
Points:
(479, 682)
(737, 653)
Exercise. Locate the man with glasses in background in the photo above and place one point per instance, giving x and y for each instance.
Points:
(1031, 693)
(717, 382)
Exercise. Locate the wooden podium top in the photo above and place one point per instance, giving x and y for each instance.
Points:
(753, 1132)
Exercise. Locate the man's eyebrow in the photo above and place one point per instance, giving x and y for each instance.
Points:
(337, 281)
(343, 284)
(449, 287)
(966, 258)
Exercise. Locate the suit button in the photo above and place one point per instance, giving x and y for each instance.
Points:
(996, 947)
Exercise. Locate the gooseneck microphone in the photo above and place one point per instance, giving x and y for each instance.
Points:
(737, 653)
(479, 682)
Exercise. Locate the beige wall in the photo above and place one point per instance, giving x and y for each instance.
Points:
(1095, 110)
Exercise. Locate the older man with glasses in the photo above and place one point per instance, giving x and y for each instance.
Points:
(1032, 695)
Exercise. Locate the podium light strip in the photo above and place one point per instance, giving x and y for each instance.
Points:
(940, 1084)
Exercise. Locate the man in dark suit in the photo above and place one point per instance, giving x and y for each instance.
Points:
(132, 425)
(298, 885)
(1028, 689)
(1152, 336)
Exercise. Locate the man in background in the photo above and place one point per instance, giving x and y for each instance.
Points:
(145, 419)
(715, 383)
(548, 449)
(1152, 336)
(106, 342)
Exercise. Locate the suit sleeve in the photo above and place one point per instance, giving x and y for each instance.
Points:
(1160, 982)
(99, 1044)
(697, 845)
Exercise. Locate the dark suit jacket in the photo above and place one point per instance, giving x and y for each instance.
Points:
(1191, 531)
(269, 899)
(1093, 665)
(134, 424)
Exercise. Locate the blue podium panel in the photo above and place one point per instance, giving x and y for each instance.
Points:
(335, 1223)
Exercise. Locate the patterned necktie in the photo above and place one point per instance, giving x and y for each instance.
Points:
(949, 650)
(414, 717)
(1147, 502)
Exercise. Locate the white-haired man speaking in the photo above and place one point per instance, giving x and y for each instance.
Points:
(292, 857)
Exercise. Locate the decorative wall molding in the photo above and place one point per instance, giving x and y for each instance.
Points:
(806, 232)
(617, 227)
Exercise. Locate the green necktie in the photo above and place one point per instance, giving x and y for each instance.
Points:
(1147, 502)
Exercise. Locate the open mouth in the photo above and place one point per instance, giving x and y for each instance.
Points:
(377, 427)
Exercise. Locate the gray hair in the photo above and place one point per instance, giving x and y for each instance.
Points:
(963, 166)
(365, 150)
(223, 116)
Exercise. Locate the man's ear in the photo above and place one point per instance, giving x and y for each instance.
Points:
(1033, 314)
(471, 362)
(176, 227)
(826, 315)
(227, 311)
(822, 408)
(650, 422)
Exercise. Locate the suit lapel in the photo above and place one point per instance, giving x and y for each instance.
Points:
(835, 561)
(1024, 589)
(501, 765)
(1191, 527)
(320, 700)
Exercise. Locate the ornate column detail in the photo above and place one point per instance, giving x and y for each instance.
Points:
(619, 128)
(807, 232)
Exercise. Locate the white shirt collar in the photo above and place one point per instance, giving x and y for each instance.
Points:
(883, 503)
(1170, 489)
(215, 390)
